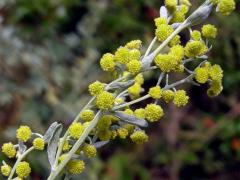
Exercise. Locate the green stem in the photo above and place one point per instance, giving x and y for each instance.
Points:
(20, 158)
(76, 146)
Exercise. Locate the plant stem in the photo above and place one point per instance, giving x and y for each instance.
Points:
(20, 158)
(78, 143)
(150, 47)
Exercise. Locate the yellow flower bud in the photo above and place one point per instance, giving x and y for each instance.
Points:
(24, 133)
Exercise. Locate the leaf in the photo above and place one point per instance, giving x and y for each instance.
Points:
(53, 144)
(100, 144)
(22, 147)
(120, 85)
(131, 119)
(50, 132)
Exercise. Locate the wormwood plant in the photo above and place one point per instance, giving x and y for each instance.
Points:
(109, 113)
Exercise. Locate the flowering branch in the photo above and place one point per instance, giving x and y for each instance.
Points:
(108, 114)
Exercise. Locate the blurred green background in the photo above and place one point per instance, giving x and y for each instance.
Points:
(49, 53)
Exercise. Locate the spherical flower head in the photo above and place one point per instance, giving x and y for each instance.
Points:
(104, 122)
(171, 4)
(153, 112)
(105, 100)
(87, 115)
(129, 127)
(160, 20)
(215, 88)
(128, 111)
(179, 68)
(135, 44)
(38, 143)
(209, 31)
(113, 134)
(66, 146)
(135, 90)
(75, 166)
(175, 41)
(9, 150)
(61, 158)
(96, 88)
(163, 31)
(75, 130)
(201, 75)
(139, 137)
(196, 35)
(178, 52)
(226, 7)
(140, 113)
(122, 55)
(139, 79)
(180, 98)
(24, 133)
(122, 133)
(155, 92)
(134, 54)
(23, 169)
(89, 150)
(134, 66)
(5, 170)
(167, 95)
(104, 135)
(178, 17)
(195, 48)
(107, 62)
(166, 62)
(216, 73)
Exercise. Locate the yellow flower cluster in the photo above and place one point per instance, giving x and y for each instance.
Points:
(75, 130)
(87, 115)
(172, 60)
(66, 146)
(5, 170)
(38, 143)
(96, 88)
(122, 133)
(226, 6)
(180, 98)
(195, 48)
(155, 92)
(196, 35)
(124, 55)
(153, 112)
(160, 20)
(140, 113)
(209, 31)
(201, 74)
(171, 4)
(105, 100)
(24, 133)
(163, 31)
(167, 95)
(9, 150)
(135, 90)
(89, 150)
(135, 44)
(139, 137)
(75, 166)
(107, 62)
(134, 66)
(23, 169)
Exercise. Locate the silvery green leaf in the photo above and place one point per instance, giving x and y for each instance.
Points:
(100, 144)
(203, 57)
(53, 144)
(147, 61)
(200, 14)
(175, 25)
(119, 85)
(131, 119)
(50, 131)
(163, 12)
(22, 147)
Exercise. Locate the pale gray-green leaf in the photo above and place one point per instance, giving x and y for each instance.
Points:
(50, 131)
(131, 119)
(53, 144)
